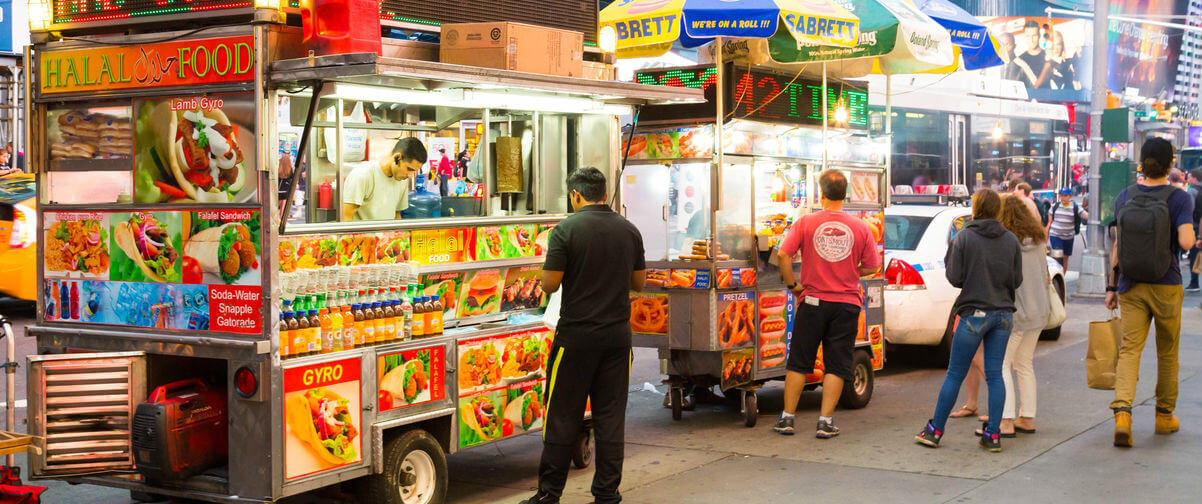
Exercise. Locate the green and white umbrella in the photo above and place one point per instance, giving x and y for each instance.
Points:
(895, 38)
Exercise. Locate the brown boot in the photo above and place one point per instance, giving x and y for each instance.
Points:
(1122, 428)
(1166, 423)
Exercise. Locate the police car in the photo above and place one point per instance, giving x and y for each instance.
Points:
(918, 297)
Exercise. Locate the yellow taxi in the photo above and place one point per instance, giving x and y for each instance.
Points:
(18, 236)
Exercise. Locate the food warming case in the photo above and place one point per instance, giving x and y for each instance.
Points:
(715, 305)
(176, 247)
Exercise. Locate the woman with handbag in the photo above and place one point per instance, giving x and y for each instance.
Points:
(1033, 302)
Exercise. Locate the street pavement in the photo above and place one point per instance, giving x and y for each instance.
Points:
(709, 457)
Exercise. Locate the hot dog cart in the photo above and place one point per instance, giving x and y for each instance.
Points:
(196, 340)
(714, 196)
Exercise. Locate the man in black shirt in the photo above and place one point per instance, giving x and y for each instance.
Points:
(1033, 60)
(597, 257)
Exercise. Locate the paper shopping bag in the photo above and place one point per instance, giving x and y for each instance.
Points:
(1197, 266)
(1102, 356)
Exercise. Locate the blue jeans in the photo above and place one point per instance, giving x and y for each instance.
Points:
(993, 329)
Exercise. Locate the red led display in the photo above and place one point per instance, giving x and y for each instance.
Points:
(81, 11)
(758, 95)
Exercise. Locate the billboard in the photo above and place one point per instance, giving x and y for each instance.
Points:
(1053, 57)
(1143, 57)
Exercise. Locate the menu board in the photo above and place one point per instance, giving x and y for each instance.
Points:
(736, 367)
(696, 142)
(190, 149)
(775, 327)
(322, 422)
(501, 383)
(197, 270)
(736, 319)
(412, 377)
(649, 313)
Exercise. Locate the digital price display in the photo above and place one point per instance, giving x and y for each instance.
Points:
(759, 95)
(82, 11)
(777, 98)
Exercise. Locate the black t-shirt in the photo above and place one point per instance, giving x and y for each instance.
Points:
(1035, 62)
(597, 250)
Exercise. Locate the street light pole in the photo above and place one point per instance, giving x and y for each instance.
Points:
(1094, 265)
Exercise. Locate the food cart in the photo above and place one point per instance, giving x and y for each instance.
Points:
(714, 198)
(188, 331)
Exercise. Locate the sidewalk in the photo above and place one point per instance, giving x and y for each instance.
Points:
(708, 457)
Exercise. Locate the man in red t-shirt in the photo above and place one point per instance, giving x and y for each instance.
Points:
(836, 249)
(445, 170)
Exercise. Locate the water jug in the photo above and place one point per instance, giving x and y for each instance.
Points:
(423, 204)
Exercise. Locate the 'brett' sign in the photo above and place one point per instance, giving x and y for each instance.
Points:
(178, 63)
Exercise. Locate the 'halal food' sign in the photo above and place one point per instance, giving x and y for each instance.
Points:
(180, 63)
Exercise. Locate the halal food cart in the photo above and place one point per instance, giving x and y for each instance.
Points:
(714, 196)
(196, 340)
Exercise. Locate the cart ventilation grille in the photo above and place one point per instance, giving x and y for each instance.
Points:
(83, 407)
(574, 15)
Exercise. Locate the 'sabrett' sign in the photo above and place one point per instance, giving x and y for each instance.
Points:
(177, 63)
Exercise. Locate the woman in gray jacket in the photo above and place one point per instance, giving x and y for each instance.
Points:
(1034, 307)
(985, 263)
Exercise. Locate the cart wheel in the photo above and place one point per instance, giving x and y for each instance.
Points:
(751, 409)
(582, 453)
(858, 391)
(415, 472)
(676, 397)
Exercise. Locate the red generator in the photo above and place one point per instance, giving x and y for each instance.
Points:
(180, 431)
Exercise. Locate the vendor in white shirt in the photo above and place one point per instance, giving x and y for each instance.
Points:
(379, 190)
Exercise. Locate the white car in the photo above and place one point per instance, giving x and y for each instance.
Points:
(918, 298)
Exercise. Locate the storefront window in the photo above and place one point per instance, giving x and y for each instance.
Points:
(364, 158)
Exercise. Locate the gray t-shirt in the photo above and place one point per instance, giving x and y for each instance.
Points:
(379, 196)
(1063, 219)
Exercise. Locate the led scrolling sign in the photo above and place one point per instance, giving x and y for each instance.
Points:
(82, 11)
(766, 96)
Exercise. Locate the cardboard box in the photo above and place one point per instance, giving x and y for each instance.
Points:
(599, 71)
(514, 46)
(409, 49)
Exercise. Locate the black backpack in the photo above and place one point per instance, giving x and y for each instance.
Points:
(1145, 234)
(1076, 216)
(1043, 212)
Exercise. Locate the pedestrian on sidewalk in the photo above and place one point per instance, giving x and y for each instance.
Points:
(1031, 316)
(1195, 192)
(1154, 226)
(1064, 224)
(836, 250)
(597, 257)
(985, 263)
(1022, 189)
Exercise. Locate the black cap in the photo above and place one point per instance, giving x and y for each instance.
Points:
(1160, 150)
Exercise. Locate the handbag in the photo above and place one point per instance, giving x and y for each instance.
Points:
(1057, 315)
(1102, 355)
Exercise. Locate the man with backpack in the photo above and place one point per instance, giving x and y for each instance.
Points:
(1154, 225)
(1195, 191)
(1064, 224)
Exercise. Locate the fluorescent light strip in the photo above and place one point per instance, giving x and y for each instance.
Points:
(477, 99)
